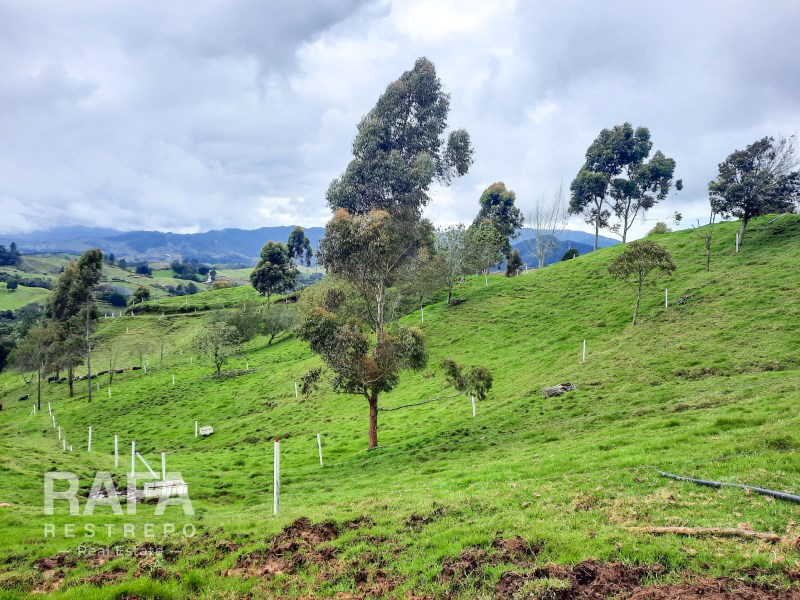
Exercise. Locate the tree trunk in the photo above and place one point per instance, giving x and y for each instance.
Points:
(373, 422)
(638, 299)
(744, 228)
(597, 229)
(88, 354)
(450, 291)
(70, 378)
(486, 277)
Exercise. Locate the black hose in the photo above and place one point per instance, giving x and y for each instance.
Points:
(719, 484)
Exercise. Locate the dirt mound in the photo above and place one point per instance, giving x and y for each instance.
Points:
(295, 546)
(516, 548)
(590, 580)
(416, 522)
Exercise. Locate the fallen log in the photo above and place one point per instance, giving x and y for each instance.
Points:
(724, 531)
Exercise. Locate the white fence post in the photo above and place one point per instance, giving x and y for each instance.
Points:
(163, 465)
(54, 420)
(473, 405)
(109, 391)
(295, 389)
(59, 432)
(319, 447)
(89, 445)
(737, 242)
(64, 444)
(49, 410)
(584, 350)
(173, 380)
(666, 297)
(195, 429)
(276, 496)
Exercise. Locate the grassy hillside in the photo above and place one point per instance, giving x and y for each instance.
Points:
(707, 389)
(12, 300)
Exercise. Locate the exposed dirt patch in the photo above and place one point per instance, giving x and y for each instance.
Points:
(416, 522)
(105, 578)
(516, 548)
(594, 581)
(295, 546)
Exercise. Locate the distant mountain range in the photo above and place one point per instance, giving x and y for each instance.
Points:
(224, 246)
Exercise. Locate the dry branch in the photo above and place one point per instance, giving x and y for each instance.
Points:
(724, 531)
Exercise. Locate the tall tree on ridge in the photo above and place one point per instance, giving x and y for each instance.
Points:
(299, 247)
(761, 179)
(275, 272)
(377, 231)
(615, 166)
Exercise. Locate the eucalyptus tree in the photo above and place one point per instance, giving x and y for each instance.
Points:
(373, 240)
(639, 262)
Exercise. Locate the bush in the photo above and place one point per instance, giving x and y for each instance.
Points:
(570, 254)
(659, 227)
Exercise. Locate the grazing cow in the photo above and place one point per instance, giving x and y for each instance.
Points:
(25, 397)
(52, 379)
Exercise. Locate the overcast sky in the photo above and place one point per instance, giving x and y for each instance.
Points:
(204, 114)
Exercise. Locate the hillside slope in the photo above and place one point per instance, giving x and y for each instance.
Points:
(708, 388)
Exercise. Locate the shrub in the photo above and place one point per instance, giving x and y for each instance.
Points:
(659, 227)
(570, 254)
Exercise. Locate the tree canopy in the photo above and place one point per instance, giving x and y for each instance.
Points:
(639, 262)
(299, 247)
(400, 149)
(617, 174)
(761, 179)
(497, 207)
(275, 272)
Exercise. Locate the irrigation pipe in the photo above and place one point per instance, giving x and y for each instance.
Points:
(719, 484)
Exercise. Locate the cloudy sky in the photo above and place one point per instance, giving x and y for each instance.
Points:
(203, 114)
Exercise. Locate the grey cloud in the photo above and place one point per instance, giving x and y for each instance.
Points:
(178, 115)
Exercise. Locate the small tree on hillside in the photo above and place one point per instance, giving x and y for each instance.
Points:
(218, 342)
(299, 247)
(514, 264)
(485, 248)
(659, 228)
(497, 207)
(570, 254)
(141, 294)
(545, 221)
(360, 367)
(707, 234)
(761, 179)
(141, 348)
(588, 198)
(639, 262)
(11, 286)
(451, 245)
(277, 321)
(37, 353)
(475, 381)
(275, 272)
(246, 320)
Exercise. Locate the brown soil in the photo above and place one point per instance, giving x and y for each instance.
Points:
(594, 581)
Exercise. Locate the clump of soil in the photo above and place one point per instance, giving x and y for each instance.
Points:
(590, 580)
(296, 545)
(416, 522)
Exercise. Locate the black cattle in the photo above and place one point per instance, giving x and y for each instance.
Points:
(25, 397)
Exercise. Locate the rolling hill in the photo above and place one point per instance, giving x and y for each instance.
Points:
(532, 497)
